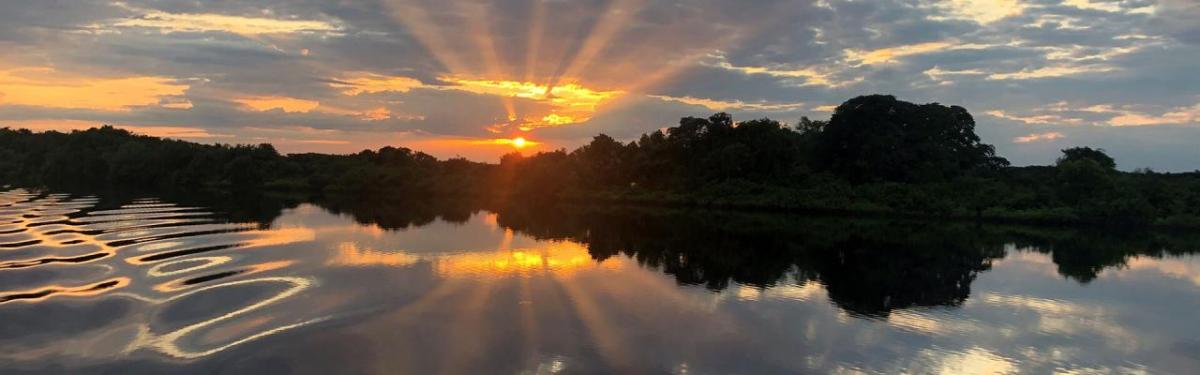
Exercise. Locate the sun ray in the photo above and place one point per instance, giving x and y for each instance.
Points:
(468, 332)
(434, 297)
(671, 68)
(529, 321)
(599, 328)
(416, 20)
(616, 16)
(534, 39)
(480, 31)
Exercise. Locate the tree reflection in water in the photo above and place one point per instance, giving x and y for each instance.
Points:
(869, 267)
(204, 274)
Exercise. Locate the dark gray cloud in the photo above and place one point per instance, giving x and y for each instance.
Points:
(776, 58)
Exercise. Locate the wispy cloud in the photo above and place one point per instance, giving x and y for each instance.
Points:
(1050, 72)
(283, 103)
(1039, 137)
(1177, 116)
(726, 105)
(207, 22)
(1044, 119)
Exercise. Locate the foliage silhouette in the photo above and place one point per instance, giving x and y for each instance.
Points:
(876, 155)
(869, 267)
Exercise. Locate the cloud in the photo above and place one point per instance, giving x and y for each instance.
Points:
(720, 105)
(1036, 119)
(1094, 5)
(398, 70)
(891, 54)
(1050, 72)
(981, 11)
(1177, 116)
(1039, 137)
(569, 103)
(47, 87)
(365, 82)
(938, 74)
(206, 22)
(283, 103)
(810, 75)
(1118, 115)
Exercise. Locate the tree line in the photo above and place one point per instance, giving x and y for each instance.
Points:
(875, 154)
(107, 156)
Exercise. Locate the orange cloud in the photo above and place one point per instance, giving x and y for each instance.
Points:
(889, 55)
(361, 82)
(46, 87)
(249, 26)
(572, 103)
(373, 114)
(377, 114)
(286, 104)
(556, 119)
(1178, 116)
(568, 95)
(1050, 72)
(724, 105)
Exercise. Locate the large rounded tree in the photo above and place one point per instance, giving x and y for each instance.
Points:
(879, 138)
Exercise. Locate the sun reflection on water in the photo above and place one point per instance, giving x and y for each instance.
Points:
(561, 259)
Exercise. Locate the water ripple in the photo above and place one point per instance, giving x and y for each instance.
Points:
(83, 248)
(42, 293)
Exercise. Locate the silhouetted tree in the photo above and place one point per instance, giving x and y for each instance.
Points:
(879, 138)
(1087, 153)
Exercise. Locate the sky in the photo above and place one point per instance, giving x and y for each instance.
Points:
(465, 78)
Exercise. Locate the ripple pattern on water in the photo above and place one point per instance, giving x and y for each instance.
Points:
(147, 251)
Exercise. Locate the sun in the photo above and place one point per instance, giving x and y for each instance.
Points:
(519, 142)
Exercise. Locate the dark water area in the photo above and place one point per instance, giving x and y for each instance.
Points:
(255, 284)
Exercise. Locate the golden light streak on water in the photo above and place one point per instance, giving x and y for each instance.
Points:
(168, 343)
(143, 232)
(601, 330)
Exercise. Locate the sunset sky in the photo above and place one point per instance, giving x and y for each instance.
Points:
(466, 78)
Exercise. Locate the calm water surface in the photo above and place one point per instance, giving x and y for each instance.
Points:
(249, 285)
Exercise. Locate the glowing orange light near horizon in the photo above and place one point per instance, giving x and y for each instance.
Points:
(569, 102)
(516, 142)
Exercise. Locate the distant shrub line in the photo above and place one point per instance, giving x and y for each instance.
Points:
(875, 154)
